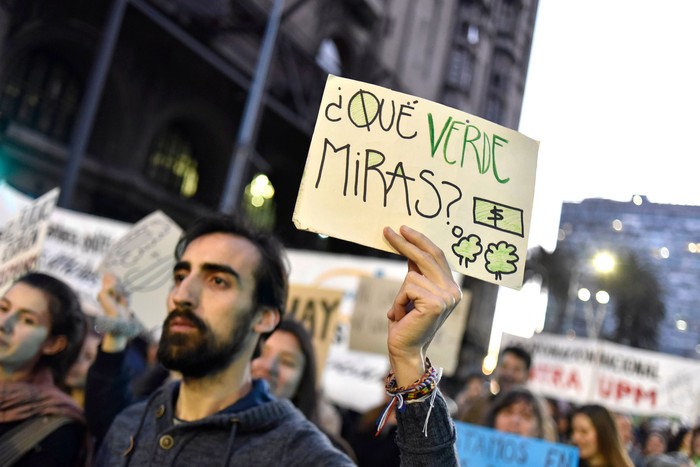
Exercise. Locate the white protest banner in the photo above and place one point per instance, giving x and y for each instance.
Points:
(368, 326)
(318, 309)
(23, 238)
(75, 246)
(621, 378)
(382, 158)
(478, 446)
(143, 261)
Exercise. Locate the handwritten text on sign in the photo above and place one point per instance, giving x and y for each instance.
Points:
(23, 237)
(380, 157)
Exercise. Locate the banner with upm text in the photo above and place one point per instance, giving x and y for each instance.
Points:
(621, 378)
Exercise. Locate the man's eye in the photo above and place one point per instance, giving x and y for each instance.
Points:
(219, 281)
(179, 277)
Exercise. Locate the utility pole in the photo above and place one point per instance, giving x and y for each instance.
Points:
(88, 107)
(245, 141)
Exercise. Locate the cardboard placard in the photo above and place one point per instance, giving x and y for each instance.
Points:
(382, 158)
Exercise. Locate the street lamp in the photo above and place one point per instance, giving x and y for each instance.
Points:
(602, 263)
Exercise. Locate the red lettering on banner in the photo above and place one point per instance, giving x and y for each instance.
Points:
(556, 376)
(618, 390)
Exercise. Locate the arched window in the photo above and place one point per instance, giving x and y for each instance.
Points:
(171, 162)
(41, 92)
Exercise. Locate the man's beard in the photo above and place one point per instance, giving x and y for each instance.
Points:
(198, 354)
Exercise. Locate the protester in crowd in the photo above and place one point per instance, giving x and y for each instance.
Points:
(679, 446)
(77, 374)
(594, 432)
(472, 389)
(629, 440)
(121, 373)
(655, 447)
(41, 333)
(230, 288)
(287, 362)
(513, 369)
(561, 413)
(372, 448)
(655, 443)
(520, 412)
(695, 446)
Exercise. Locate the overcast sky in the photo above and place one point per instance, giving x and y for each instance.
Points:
(613, 96)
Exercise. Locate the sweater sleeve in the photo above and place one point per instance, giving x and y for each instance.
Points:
(106, 393)
(438, 447)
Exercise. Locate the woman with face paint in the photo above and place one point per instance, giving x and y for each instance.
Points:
(42, 328)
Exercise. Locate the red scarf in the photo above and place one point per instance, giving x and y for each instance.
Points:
(38, 395)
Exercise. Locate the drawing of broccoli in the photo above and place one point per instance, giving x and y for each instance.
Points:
(501, 259)
(467, 249)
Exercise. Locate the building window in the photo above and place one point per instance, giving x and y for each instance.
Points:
(171, 163)
(507, 20)
(494, 109)
(461, 69)
(41, 92)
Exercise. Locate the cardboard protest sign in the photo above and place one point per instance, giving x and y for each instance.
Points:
(368, 326)
(318, 309)
(383, 158)
(74, 246)
(622, 378)
(143, 261)
(23, 238)
(479, 446)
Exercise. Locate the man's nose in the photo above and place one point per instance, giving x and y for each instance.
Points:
(186, 293)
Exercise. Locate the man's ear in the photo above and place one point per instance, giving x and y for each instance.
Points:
(54, 345)
(268, 319)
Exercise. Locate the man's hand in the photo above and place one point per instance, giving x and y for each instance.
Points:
(426, 298)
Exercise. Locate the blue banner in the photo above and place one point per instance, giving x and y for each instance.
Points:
(478, 446)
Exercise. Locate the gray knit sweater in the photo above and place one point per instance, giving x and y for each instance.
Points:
(273, 433)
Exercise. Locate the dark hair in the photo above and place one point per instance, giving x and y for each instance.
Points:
(520, 353)
(67, 319)
(674, 444)
(271, 274)
(696, 433)
(305, 398)
(509, 398)
(608, 438)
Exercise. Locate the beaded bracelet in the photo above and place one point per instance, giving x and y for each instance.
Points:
(421, 390)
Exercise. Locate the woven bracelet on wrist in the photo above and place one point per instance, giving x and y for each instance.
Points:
(421, 390)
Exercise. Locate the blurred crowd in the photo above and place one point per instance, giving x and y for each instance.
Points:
(56, 360)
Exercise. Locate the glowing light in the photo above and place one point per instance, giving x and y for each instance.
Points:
(602, 296)
(636, 199)
(261, 186)
(682, 325)
(489, 364)
(663, 252)
(584, 294)
(693, 247)
(604, 262)
(617, 225)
